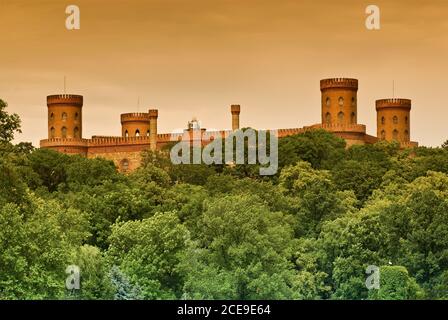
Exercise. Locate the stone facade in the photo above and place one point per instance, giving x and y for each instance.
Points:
(139, 130)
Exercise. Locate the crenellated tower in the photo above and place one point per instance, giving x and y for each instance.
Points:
(135, 124)
(339, 101)
(65, 116)
(394, 120)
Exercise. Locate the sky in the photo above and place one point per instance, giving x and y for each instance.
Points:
(194, 58)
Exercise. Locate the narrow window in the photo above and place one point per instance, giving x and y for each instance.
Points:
(328, 101)
(383, 120)
(76, 132)
(137, 133)
(353, 118)
(395, 135)
(124, 165)
(76, 116)
(328, 118)
(395, 119)
(126, 134)
(64, 116)
(383, 135)
(341, 101)
(52, 133)
(64, 132)
(147, 133)
(341, 117)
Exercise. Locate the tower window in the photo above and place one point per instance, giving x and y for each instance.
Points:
(64, 116)
(137, 133)
(341, 117)
(328, 118)
(126, 134)
(395, 119)
(383, 135)
(328, 101)
(353, 118)
(147, 133)
(406, 135)
(52, 133)
(76, 132)
(406, 120)
(64, 132)
(341, 101)
(76, 116)
(353, 102)
(395, 135)
(383, 120)
(52, 116)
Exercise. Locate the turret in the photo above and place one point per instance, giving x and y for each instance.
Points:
(135, 124)
(339, 101)
(235, 110)
(65, 116)
(394, 120)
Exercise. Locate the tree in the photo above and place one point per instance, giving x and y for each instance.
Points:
(9, 124)
(148, 253)
(320, 148)
(245, 252)
(396, 284)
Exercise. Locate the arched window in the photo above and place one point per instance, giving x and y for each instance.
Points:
(353, 102)
(76, 133)
(395, 119)
(76, 116)
(341, 101)
(124, 165)
(52, 116)
(64, 116)
(406, 135)
(64, 132)
(406, 120)
(147, 133)
(395, 135)
(52, 133)
(353, 118)
(328, 101)
(328, 118)
(383, 120)
(383, 135)
(137, 133)
(126, 134)
(341, 117)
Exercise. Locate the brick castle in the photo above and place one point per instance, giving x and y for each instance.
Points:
(339, 107)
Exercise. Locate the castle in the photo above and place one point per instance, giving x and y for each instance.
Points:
(339, 109)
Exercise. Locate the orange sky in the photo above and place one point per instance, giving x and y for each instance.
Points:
(197, 57)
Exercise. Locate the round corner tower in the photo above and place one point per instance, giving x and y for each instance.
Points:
(339, 101)
(135, 124)
(65, 116)
(394, 119)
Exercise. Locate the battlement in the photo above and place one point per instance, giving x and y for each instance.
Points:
(346, 83)
(57, 142)
(393, 103)
(65, 99)
(235, 109)
(153, 113)
(135, 116)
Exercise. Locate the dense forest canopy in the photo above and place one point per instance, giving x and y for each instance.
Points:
(170, 231)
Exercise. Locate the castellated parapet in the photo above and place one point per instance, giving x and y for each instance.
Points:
(65, 116)
(339, 104)
(139, 130)
(134, 124)
(394, 120)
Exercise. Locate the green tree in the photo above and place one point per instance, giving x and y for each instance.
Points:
(9, 124)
